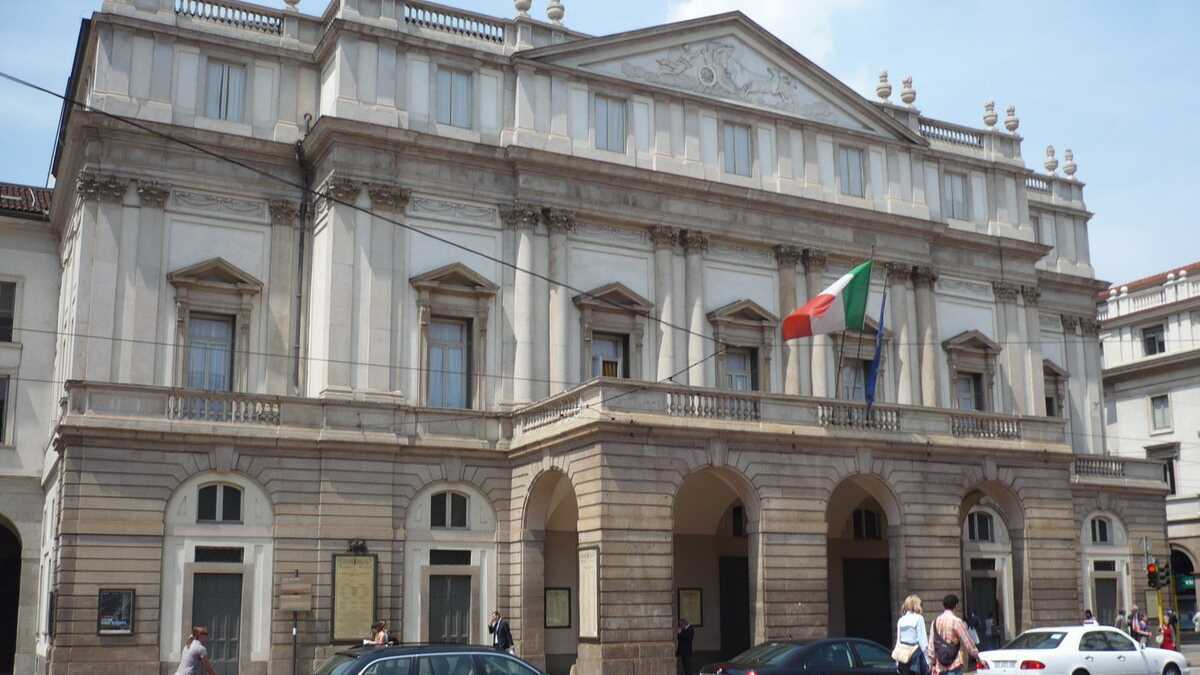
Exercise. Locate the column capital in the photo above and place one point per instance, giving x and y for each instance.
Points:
(898, 272)
(924, 276)
(520, 216)
(283, 212)
(1089, 326)
(388, 197)
(788, 256)
(340, 188)
(1032, 295)
(153, 194)
(695, 242)
(104, 188)
(664, 236)
(1005, 291)
(1071, 322)
(814, 260)
(559, 220)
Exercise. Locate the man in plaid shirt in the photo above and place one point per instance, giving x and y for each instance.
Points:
(951, 632)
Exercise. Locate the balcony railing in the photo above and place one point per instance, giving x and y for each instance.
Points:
(978, 425)
(1143, 473)
(222, 407)
(453, 21)
(233, 14)
(1037, 183)
(712, 405)
(951, 133)
(855, 415)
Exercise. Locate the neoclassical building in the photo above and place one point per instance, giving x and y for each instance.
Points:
(519, 347)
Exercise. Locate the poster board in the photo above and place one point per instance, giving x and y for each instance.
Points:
(589, 593)
(355, 580)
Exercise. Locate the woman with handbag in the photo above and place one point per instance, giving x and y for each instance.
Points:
(911, 639)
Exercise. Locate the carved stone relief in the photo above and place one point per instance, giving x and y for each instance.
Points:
(211, 202)
(450, 210)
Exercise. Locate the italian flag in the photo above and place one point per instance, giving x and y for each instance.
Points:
(843, 305)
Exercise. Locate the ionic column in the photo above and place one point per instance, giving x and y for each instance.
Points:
(898, 277)
(794, 367)
(696, 244)
(664, 239)
(822, 346)
(923, 283)
(1012, 354)
(523, 219)
(1033, 351)
(562, 375)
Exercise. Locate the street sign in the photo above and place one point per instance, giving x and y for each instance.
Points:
(1185, 582)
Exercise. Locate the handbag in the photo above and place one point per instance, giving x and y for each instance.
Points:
(903, 653)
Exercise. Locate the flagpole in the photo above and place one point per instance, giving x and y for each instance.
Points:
(858, 356)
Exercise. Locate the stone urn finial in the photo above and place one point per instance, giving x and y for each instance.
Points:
(884, 89)
(555, 11)
(1069, 166)
(989, 114)
(907, 93)
(1011, 121)
(292, 5)
(1051, 162)
(522, 7)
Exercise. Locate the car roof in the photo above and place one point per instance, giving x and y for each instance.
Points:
(408, 649)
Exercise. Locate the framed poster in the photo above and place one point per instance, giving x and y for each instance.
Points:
(589, 593)
(558, 608)
(114, 615)
(355, 579)
(691, 605)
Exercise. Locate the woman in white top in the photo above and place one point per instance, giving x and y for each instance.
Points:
(911, 635)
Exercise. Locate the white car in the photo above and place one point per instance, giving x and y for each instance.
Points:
(1080, 650)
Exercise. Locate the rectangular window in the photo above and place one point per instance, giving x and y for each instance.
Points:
(610, 124)
(954, 196)
(1105, 565)
(1160, 412)
(1169, 475)
(850, 171)
(1099, 531)
(449, 504)
(741, 370)
(983, 564)
(609, 355)
(214, 554)
(444, 557)
(449, 363)
(1051, 406)
(8, 310)
(867, 525)
(1154, 341)
(854, 380)
(737, 149)
(210, 353)
(454, 98)
(226, 91)
(4, 379)
(968, 391)
(738, 516)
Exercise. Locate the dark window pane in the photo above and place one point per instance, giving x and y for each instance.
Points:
(206, 509)
(3, 406)
(983, 563)
(231, 503)
(1105, 565)
(437, 510)
(8, 305)
(442, 557)
(739, 521)
(458, 511)
(213, 554)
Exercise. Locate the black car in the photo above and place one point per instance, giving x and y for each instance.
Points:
(835, 656)
(425, 660)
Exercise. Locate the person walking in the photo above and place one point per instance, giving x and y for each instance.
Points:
(379, 634)
(1138, 629)
(1089, 619)
(683, 645)
(1168, 635)
(950, 644)
(1196, 621)
(195, 654)
(1120, 623)
(501, 634)
(911, 639)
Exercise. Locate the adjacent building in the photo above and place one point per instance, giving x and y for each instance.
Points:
(520, 347)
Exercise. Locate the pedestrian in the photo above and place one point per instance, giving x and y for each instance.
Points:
(501, 634)
(683, 645)
(379, 634)
(1120, 623)
(950, 644)
(1196, 621)
(1168, 635)
(912, 640)
(195, 654)
(1137, 626)
(1173, 622)
(1089, 619)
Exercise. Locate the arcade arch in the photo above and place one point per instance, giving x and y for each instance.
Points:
(550, 574)
(10, 594)
(1107, 559)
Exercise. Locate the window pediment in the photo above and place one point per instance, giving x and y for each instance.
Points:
(613, 298)
(455, 278)
(972, 341)
(1052, 369)
(216, 274)
(746, 313)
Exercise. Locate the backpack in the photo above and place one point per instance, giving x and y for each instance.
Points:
(943, 651)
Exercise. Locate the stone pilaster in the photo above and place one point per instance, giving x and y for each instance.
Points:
(796, 368)
(1012, 353)
(523, 219)
(103, 221)
(696, 244)
(907, 389)
(1033, 350)
(560, 223)
(332, 308)
(924, 280)
(665, 239)
(822, 346)
(281, 297)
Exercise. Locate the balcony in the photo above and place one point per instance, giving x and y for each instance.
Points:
(1107, 470)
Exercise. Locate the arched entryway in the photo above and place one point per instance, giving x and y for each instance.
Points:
(1183, 570)
(1107, 557)
(715, 562)
(10, 595)
(550, 571)
(992, 523)
(865, 549)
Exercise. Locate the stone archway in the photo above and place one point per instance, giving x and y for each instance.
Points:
(1183, 566)
(10, 595)
(549, 635)
(988, 582)
(865, 550)
(716, 570)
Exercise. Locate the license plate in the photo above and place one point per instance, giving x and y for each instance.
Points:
(1004, 664)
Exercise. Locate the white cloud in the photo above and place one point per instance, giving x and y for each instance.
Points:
(806, 25)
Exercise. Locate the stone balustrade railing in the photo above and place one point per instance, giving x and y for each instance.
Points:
(712, 405)
(951, 133)
(980, 425)
(454, 21)
(1175, 289)
(538, 416)
(855, 415)
(233, 14)
(1037, 184)
(1119, 470)
(222, 407)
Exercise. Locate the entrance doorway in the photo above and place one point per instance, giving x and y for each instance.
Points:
(217, 604)
(449, 609)
(734, 580)
(10, 593)
(865, 552)
(867, 591)
(1183, 573)
(1105, 593)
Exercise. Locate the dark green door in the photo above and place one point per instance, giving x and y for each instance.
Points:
(734, 577)
(450, 609)
(867, 598)
(217, 604)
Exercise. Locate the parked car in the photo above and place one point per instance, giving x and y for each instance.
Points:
(835, 656)
(425, 660)
(1081, 650)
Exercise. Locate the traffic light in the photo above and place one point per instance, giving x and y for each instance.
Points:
(1152, 574)
(1164, 576)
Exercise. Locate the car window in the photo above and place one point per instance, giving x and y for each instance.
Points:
(829, 656)
(1093, 641)
(1037, 640)
(393, 666)
(338, 664)
(873, 656)
(1118, 642)
(768, 653)
(446, 664)
(496, 664)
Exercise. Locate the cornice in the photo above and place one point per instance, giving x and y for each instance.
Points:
(1169, 362)
(1185, 305)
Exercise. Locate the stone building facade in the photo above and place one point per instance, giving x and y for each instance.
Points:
(523, 347)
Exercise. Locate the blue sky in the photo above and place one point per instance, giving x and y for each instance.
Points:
(1110, 80)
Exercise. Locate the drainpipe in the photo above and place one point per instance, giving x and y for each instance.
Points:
(306, 177)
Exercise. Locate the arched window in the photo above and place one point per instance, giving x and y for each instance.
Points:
(1102, 532)
(448, 510)
(981, 527)
(219, 503)
(868, 524)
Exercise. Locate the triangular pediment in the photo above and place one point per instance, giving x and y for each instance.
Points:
(215, 272)
(728, 58)
(1051, 368)
(743, 311)
(454, 277)
(871, 329)
(972, 340)
(613, 296)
